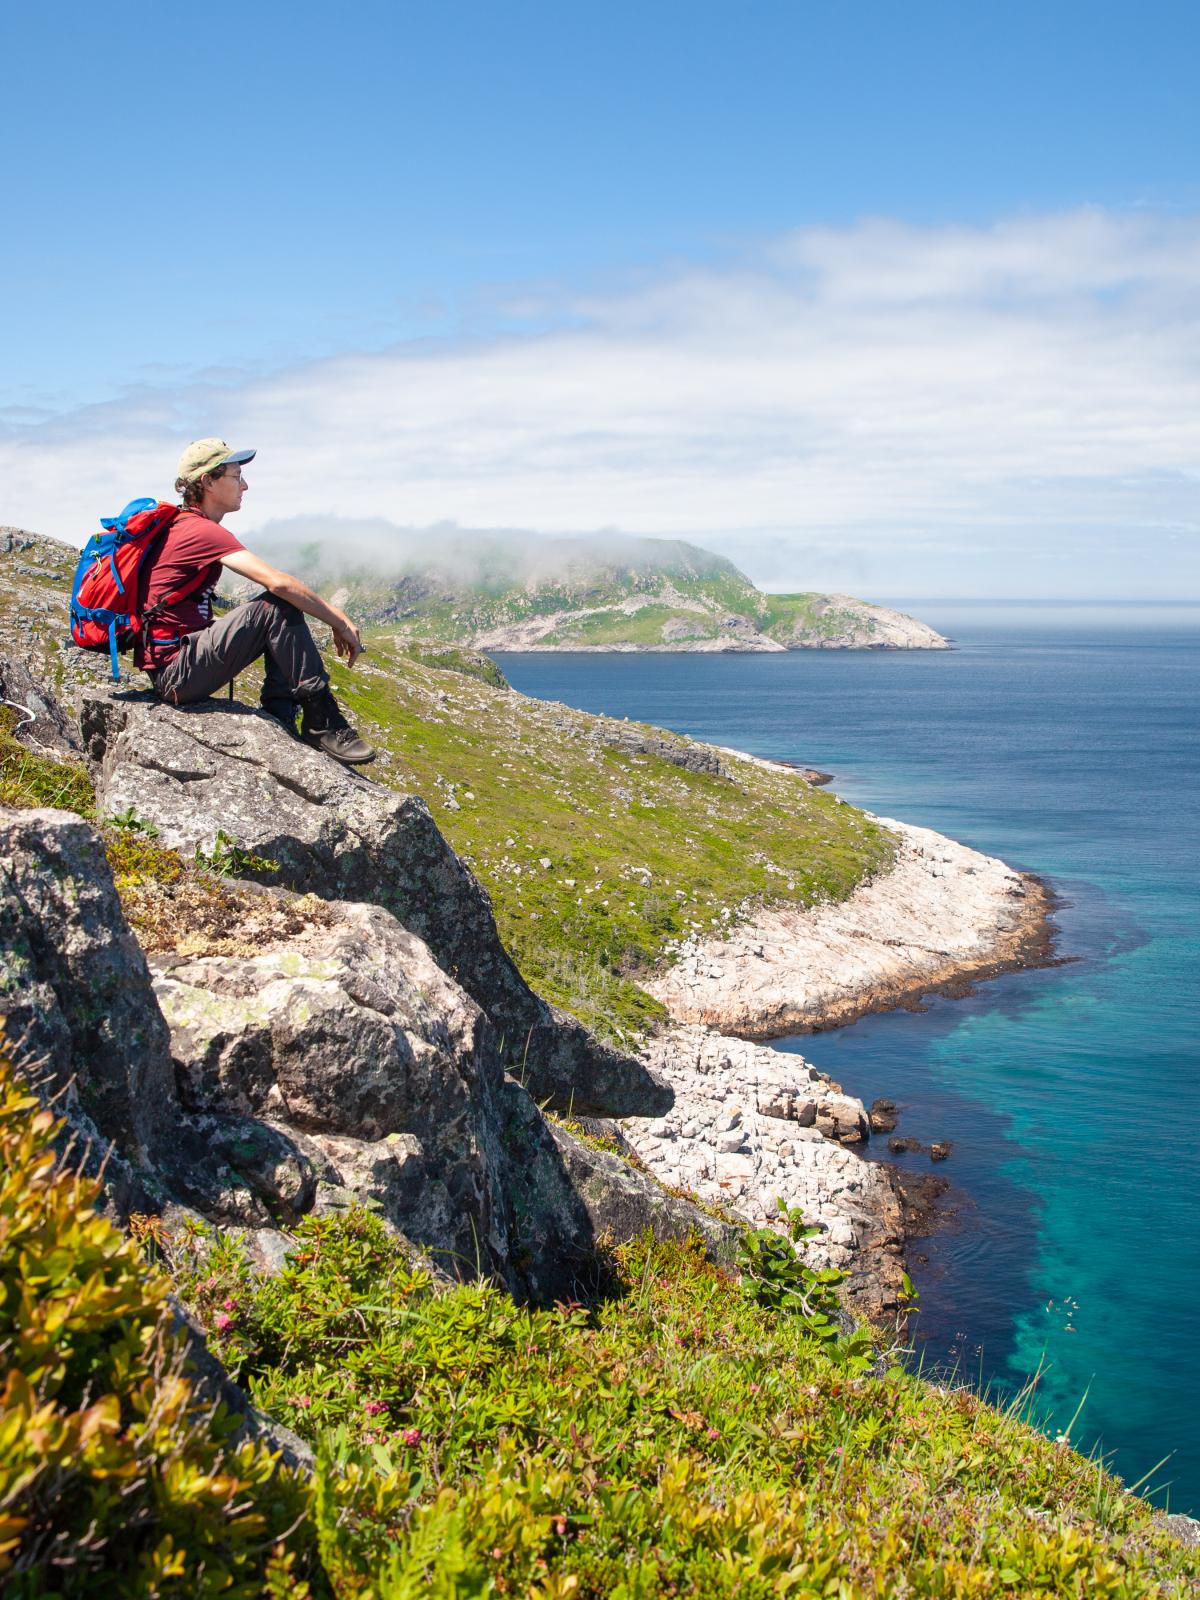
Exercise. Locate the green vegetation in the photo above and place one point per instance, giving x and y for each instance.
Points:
(29, 779)
(114, 1483)
(471, 663)
(695, 1436)
(644, 626)
(787, 615)
(600, 861)
(687, 1438)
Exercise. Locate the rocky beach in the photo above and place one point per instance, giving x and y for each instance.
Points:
(943, 917)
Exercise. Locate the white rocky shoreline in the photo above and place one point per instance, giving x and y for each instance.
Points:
(752, 1125)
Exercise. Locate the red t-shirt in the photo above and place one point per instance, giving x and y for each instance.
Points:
(192, 542)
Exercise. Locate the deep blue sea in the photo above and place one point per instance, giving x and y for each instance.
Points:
(1067, 742)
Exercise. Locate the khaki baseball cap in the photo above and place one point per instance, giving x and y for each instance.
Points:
(206, 455)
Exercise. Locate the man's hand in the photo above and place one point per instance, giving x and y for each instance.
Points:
(348, 640)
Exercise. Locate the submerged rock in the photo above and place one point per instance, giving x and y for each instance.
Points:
(883, 1115)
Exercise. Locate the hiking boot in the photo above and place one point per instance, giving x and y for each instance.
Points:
(325, 728)
(283, 710)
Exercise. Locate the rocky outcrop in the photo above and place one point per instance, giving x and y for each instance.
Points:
(752, 1126)
(81, 1019)
(619, 1202)
(219, 771)
(74, 988)
(351, 1034)
(40, 722)
(942, 918)
(341, 1067)
(842, 622)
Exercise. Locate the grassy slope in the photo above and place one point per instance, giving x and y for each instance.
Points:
(788, 613)
(641, 853)
(679, 1440)
(644, 626)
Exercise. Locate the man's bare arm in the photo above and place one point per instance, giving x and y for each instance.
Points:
(296, 592)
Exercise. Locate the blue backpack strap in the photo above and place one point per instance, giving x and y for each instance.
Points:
(112, 650)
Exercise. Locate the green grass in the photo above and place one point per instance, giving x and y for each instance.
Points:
(786, 614)
(644, 626)
(29, 779)
(642, 854)
(449, 659)
(681, 1439)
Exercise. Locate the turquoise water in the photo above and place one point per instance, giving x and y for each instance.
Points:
(1068, 744)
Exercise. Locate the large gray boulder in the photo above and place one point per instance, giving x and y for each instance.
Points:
(81, 1020)
(75, 992)
(351, 1035)
(339, 1066)
(221, 769)
(41, 722)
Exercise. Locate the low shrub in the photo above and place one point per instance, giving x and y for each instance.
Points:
(115, 1481)
(704, 1434)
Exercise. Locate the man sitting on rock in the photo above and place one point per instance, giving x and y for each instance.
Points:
(189, 655)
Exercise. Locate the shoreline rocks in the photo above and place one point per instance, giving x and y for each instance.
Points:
(752, 1126)
(944, 918)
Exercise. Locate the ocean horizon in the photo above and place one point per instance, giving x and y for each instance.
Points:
(1068, 1092)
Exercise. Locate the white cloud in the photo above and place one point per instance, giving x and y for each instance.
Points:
(1013, 408)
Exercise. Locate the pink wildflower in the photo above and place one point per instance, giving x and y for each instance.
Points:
(754, 1388)
(412, 1436)
(374, 1407)
(221, 1322)
(302, 1401)
(230, 1304)
(714, 1433)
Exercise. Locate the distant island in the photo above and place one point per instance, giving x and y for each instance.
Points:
(626, 594)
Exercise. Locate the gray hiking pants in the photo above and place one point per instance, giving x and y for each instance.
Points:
(214, 656)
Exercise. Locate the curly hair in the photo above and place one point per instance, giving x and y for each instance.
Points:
(193, 492)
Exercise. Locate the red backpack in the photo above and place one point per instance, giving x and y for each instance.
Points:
(110, 580)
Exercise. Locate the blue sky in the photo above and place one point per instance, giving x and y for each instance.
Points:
(297, 220)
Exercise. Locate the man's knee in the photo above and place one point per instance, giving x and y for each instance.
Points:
(274, 607)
